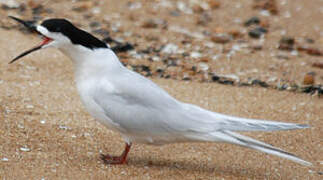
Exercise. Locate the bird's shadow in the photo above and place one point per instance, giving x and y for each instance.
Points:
(195, 166)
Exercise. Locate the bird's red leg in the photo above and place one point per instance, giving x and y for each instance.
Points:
(122, 159)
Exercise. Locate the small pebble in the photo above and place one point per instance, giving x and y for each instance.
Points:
(149, 24)
(64, 127)
(265, 13)
(73, 136)
(286, 43)
(155, 58)
(186, 77)
(235, 33)
(310, 50)
(294, 53)
(195, 54)
(260, 83)
(203, 66)
(309, 79)
(221, 38)
(24, 149)
(257, 32)
(251, 21)
(269, 6)
(170, 48)
(12, 4)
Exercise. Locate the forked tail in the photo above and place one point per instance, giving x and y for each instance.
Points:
(238, 139)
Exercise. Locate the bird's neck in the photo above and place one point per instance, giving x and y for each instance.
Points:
(89, 62)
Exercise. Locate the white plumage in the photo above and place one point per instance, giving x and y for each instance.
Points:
(141, 111)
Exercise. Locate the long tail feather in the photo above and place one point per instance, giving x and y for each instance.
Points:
(238, 139)
(208, 121)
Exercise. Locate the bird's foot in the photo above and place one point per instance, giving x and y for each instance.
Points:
(108, 159)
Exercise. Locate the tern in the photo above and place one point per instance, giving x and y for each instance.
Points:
(137, 108)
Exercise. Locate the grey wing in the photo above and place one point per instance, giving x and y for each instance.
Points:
(135, 103)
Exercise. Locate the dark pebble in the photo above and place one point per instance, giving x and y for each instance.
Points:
(312, 89)
(186, 78)
(220, 80)
(257, 32)
(243, 84)
(261, 29)
(251, 21)
(123, 48)
(143, 69)
(259, 82)
(194, 68)
(215, 78)
(310, 50)
(160, 70)
(287, 40)
(167, 76)
(286, 43)
(150, 24)
(226, 82)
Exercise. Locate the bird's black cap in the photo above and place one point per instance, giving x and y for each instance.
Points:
(77, 36)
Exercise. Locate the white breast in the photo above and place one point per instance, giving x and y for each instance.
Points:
(86, 89)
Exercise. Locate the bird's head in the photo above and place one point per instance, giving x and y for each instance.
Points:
(62, 34)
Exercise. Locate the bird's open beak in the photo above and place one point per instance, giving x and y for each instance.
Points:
(32, 28)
